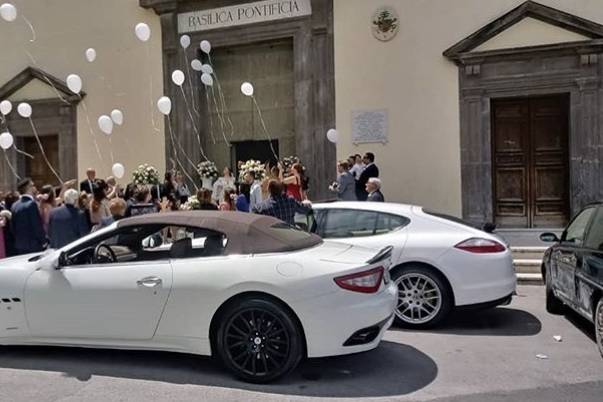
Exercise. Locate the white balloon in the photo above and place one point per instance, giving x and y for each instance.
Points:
(6, 107)
(247, 89)
(117, 116)
(206, 79)
(74, 83)
(333, 136)
(24, 110)
(143, 32)
(164, 104)
(207, 69)
(185, 41)
(118, 170)
(90, 55)
(197, 65)
(105, 124)
(8, 12)
(205, 46)
(178, 77)
(6, 140)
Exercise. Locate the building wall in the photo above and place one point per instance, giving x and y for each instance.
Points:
(410, 78)
(120, 77)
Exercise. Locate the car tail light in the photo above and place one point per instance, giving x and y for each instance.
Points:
(363, 282)
(481, 246)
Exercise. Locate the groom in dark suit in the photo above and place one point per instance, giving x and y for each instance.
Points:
(26, 222)
(371, 170)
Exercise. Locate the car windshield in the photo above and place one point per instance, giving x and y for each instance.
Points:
(448, 218)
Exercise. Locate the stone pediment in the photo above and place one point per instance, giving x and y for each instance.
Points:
(529, 25)
(35, 81)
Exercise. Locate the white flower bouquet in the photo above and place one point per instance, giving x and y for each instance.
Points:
(290, 161)
(207, 170)
(145, 174)
(192, 204)
(252, 166)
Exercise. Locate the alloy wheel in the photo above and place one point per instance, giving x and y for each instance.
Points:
(599, 325)
(257, 342)
(419, 298)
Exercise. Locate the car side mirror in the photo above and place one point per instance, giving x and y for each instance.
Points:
(549, 237)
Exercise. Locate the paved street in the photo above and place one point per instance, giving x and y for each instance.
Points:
(477, 357)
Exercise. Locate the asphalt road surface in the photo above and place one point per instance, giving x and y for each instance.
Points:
(476, 357)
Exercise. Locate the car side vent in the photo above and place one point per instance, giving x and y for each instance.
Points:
(11, 300)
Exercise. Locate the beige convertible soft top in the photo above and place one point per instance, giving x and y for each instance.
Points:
(246, 233)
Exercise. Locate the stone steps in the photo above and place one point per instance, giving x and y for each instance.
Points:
(528, 262)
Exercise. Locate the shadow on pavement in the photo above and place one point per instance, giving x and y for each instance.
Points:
(493, 322)
(585, 326)
(391, 369)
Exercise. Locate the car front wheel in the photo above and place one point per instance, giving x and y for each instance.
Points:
(599, 325)
(258, 341)
(424, 299)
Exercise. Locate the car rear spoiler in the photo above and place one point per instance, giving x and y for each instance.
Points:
(383, 254)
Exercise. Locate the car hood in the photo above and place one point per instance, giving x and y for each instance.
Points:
(14, 271)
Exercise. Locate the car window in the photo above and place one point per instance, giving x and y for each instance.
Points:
(147, 243)
(341, 223)
(594, 238)
(576, 230)
(387, 223)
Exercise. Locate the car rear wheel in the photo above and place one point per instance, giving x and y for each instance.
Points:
(258, 341)
(599, 325)
(553, 305)
(424, 299)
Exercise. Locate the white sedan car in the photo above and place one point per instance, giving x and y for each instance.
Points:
(250, 290)
(438, 263)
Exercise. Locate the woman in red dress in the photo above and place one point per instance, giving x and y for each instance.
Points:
(294, 182)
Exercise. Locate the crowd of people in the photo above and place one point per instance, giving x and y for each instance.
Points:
(32, 220)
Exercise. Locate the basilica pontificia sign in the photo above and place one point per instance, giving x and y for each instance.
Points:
(248, 13)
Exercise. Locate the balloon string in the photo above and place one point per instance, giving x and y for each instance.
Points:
(190, 83)
(180, 145)
(33, 31)
(176, 155)
(211, 120)
(33, 127)
(264, 127)
(190, 114)
(222, 122)
(10, 165)
(30, 156)
(111, 151)
(98, 152)
(56, 91)
(155, 128)
(222, 98)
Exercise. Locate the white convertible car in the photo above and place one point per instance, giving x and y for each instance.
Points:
(439, 263)
(250, 290)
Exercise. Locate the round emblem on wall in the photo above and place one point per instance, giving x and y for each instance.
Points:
(385, 23)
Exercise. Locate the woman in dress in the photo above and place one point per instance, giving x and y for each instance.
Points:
(244, 197)
(226, 182)
(294, 182)
(229, 200)
(99, 205)
(47, 203)
(345, 186)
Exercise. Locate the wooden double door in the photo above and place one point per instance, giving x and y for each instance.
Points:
(530, 162)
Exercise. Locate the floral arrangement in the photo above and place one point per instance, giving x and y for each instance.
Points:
(290, 161)
(207, 170)
(252, 166)
(192, 204)
(145, 174)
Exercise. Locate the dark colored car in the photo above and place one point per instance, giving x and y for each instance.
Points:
(573, 268)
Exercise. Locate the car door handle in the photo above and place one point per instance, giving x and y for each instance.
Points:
(149, 282)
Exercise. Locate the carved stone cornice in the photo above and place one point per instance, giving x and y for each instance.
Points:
(160, 6)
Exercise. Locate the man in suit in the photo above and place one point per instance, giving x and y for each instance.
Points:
(88, 184)
(373, 188)
(67, 223)
(26, 222)
(371, 170)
